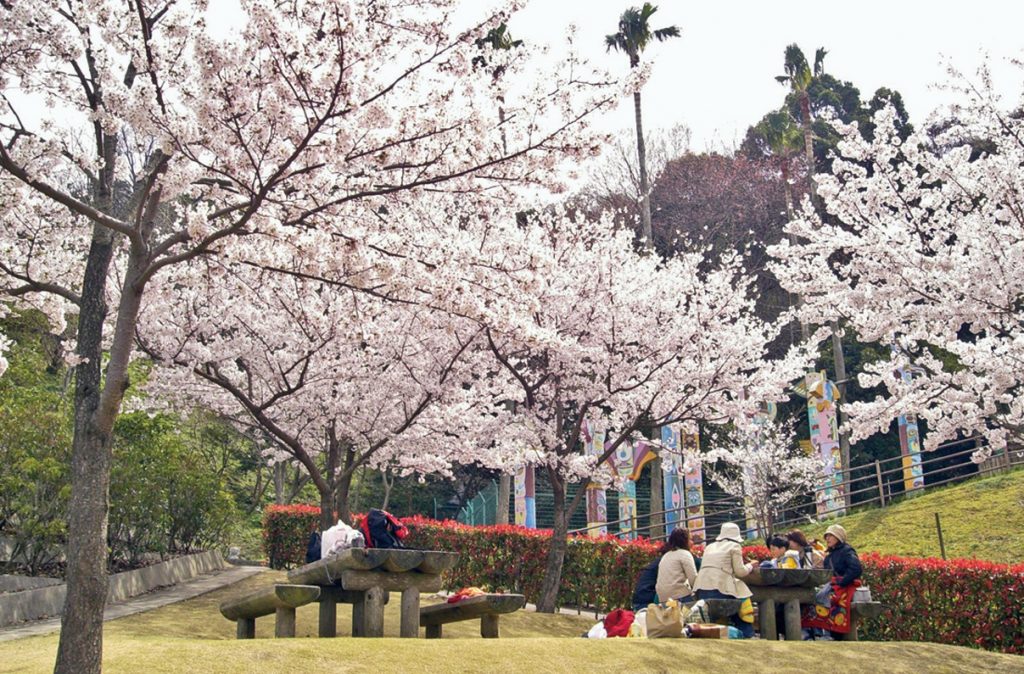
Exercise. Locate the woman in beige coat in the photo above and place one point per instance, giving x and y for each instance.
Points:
(721, 569)
(677, 571)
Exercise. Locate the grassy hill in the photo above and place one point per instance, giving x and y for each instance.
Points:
(981, 518)
(193, 637)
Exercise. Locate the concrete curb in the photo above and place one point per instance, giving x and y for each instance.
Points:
(49, 601)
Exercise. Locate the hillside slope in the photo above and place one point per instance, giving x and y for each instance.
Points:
(981, 518)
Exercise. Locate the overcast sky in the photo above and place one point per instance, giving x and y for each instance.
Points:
(718, 77)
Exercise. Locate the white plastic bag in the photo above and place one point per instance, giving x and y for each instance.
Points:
(338, 538)
(598, 632)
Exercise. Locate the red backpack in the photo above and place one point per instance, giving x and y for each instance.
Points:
(381, 529)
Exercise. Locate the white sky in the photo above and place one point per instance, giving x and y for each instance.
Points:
(718, 77)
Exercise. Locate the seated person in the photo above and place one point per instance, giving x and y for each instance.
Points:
(833, 614)
(677, 571)
(808, 555)
(645, 583)
(780, 556)
(720, 574)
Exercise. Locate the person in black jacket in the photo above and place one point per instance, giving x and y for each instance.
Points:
(645, 582)
(841, 557)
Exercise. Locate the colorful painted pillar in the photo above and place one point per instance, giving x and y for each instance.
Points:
(693, 484)
(910, 442)
(672, 465)
(822, 398)
(623, 460)
(597, 497)
(526, 497)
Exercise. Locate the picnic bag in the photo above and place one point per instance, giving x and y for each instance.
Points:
(664, 620)
(339, 538)
(381, 529)
(618, 622)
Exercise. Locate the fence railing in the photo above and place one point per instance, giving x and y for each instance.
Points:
(880, 492)
(874, 483)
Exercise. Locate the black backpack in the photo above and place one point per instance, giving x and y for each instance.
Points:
(381, 529)
(313, 547)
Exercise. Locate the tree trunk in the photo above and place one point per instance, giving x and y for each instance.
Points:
(280, 475)
(839, 360)
(641, 154)
(657, 522)
(556, 553)
(341, 494)
(388, 484)
(81, 637)
(788, 190)
(805, 113)
(504, 494)
(326, 509)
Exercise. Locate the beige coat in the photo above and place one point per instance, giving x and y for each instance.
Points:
(721, 568)
(677, 573)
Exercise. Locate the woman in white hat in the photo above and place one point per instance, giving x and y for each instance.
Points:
(721, 569)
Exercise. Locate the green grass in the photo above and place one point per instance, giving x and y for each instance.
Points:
(982, 518)
(193, 637)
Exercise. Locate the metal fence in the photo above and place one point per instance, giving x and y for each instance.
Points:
(873, 484)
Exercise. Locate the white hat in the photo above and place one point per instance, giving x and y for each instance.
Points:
(730, 532)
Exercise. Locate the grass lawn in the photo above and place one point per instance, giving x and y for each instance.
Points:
(193, 637)
(982, 518)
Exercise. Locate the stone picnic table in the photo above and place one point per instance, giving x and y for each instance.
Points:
(363, 577)
(791, 588)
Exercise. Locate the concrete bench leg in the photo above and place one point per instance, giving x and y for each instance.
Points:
(284, 622)
(433, 631)
(489, 626)
(852, 634)
(328, 615)
(358, 623)
(246, 628)
(769, 630)
(373, 612)
(792, 616)
(410, 613)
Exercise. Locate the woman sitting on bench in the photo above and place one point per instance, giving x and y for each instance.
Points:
(721, 569)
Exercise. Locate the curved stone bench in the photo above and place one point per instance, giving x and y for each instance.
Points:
(486, 607)
(280, 599)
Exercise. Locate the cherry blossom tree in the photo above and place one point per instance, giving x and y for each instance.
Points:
(339, 379)
(762, 464)
(585, 327)
(927, 253)
(133, 140)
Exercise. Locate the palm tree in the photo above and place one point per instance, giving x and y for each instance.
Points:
(495, 39)
(632, 38)
(498, 38)
(799, 77)
(782, 139)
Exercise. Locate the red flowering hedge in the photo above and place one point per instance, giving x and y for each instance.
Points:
(286, 530)
(963, 602)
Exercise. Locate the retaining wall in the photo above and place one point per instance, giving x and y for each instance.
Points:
(47, 602)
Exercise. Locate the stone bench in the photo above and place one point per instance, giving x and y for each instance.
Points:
(486, 607)
(861, 610)
(280, 599)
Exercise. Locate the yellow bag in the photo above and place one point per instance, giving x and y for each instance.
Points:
(666, 620)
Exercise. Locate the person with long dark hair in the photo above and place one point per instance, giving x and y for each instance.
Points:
(677, 570)
(810, 557)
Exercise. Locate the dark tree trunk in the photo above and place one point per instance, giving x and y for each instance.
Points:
(504, 493)
(342, 492)
(556, 554)
(641, 154)
(81, 640)
(656, 521)
(326, 510)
